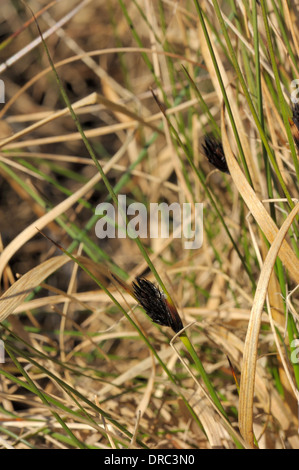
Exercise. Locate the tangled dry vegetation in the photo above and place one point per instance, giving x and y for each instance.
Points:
(81, 367)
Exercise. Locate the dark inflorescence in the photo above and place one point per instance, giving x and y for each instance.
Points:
(213, 150)
(156, 305)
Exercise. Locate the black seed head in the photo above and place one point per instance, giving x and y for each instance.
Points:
(155, 304)
(214, 152)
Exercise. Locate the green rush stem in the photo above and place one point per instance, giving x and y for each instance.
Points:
(221, 84)
(213, 395)
(114, 198)
(44, 400)
(211, 198)
(189, 346)
(280, 95)
(138, 242)
(246, 94)
(114, 300)
(96, 162)
(51, 400)
(260, 104)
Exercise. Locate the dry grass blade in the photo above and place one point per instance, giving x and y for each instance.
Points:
(255, 206)
(88, 353)
(86, 101)
(37, 41)
(251, 342)
(17, 293)
(40, 223)
(91, 99)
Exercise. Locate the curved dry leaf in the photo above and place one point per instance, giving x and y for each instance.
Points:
(17, 293)
(251, 342)
(255, 206)
(233, 346)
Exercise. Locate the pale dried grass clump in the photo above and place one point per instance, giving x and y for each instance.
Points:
(81, 366)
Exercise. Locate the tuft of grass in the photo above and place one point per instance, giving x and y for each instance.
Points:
(142, 99)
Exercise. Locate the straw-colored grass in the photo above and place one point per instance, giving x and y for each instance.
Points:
(113, 98)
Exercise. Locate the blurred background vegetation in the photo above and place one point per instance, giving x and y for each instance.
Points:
(148, 81)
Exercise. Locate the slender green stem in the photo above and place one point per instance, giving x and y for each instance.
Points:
(213, 395)
(247, 96)
(280, 94)
(98, 165)
(223, 90)
(260, 102)
(44, 400)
